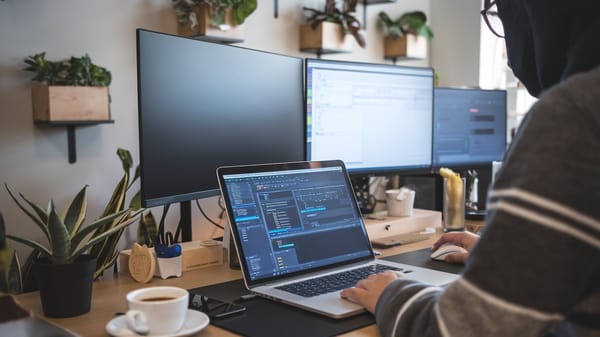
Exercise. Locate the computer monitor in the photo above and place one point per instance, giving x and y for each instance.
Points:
(203, 105)
(469, 127)
(377, 118)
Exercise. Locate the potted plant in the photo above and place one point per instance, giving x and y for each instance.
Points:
(70, 90)
(10, 275)
(326, 30)
(219, 20)
(406, 37)
(83, 251)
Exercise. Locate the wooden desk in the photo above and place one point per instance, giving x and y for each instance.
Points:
(109, 296)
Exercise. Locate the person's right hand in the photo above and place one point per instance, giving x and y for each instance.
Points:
(465, 240)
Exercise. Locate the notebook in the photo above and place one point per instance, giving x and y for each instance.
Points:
(300, 235)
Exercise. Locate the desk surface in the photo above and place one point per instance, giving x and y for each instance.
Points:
(109, 296)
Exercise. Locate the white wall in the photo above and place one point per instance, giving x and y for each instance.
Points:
(33, 159)
(455, 48)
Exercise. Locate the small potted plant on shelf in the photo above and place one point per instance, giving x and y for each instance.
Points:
(218, 20)
(327, 30)
(75, 255)
(70, 90)
(406, 37)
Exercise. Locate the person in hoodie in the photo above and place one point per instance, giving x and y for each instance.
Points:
(535, 270)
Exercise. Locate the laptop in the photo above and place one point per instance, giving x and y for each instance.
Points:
(300, 236)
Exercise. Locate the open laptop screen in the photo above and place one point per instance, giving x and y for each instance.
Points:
(286, 221)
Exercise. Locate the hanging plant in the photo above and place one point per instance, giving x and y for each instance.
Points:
(343, 16)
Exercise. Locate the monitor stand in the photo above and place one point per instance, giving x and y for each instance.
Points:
(185, 221)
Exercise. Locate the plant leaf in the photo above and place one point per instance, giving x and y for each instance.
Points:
(60, 240)
(33, 244)
(15, 281)
(126, 159)
(77, 239)
(75, 214)
(116, 201)
(100, 237)
(38, 221)
(102, 267)
(136, 202)
(147, 230)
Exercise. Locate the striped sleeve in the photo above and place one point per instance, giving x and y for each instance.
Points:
(536, 267)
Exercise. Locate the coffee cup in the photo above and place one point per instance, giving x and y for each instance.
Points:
(157, 310)
(400, 202)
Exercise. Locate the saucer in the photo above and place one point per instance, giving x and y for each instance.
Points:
(194, 322)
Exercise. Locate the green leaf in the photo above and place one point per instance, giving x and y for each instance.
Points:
(77, 239)
(126, 159)
(147, 230)
(136, 202)
(15, 282)
(102, 267)
(101, 237)
(60, 240)
(41, 224)
(135, 176)
(33, 244)
(243, 10)
(74, 215)
(117, 199)
(385, 19)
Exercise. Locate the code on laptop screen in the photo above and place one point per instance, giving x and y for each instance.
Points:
(292, 220)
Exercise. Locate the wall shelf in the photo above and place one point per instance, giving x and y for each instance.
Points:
(71, 132)
(372, 2)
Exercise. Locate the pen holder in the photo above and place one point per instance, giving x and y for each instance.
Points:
(168, 267)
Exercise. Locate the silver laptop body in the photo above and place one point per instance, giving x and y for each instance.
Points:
(292, 222)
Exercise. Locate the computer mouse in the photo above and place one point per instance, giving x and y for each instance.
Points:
(441, 253)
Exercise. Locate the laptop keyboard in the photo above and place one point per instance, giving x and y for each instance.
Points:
(335, 282)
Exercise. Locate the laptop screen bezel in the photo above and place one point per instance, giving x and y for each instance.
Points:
(229, 170)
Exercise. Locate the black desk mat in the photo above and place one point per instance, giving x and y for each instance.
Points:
(265, 318)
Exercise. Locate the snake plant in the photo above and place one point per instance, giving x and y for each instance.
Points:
(67, 238)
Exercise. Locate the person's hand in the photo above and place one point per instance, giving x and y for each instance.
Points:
(367, 291)
(465, 240)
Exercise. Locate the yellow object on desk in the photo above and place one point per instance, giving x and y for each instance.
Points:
(454, 200)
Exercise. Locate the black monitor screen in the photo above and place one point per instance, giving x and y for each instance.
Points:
(204, 105)
(469, 127)
(374, 117)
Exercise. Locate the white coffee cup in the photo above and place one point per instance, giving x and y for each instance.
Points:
(157, 310)
(400, 201)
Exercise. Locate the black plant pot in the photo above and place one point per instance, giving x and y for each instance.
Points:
(66, 289)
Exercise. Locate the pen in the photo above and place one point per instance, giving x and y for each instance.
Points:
(247, 297)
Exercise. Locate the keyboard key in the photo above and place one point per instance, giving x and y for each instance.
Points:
(335, 282)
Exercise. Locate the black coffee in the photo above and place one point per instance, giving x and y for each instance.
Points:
(158, 299)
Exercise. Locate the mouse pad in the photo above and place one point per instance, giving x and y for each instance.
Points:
(420, 258)
(267, 318)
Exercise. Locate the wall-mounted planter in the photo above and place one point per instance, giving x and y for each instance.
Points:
(70, 103)
(408, 46)
(327, 37)
(70, 106)
(228, 33)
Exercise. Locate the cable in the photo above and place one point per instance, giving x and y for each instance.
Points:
(206, 216)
